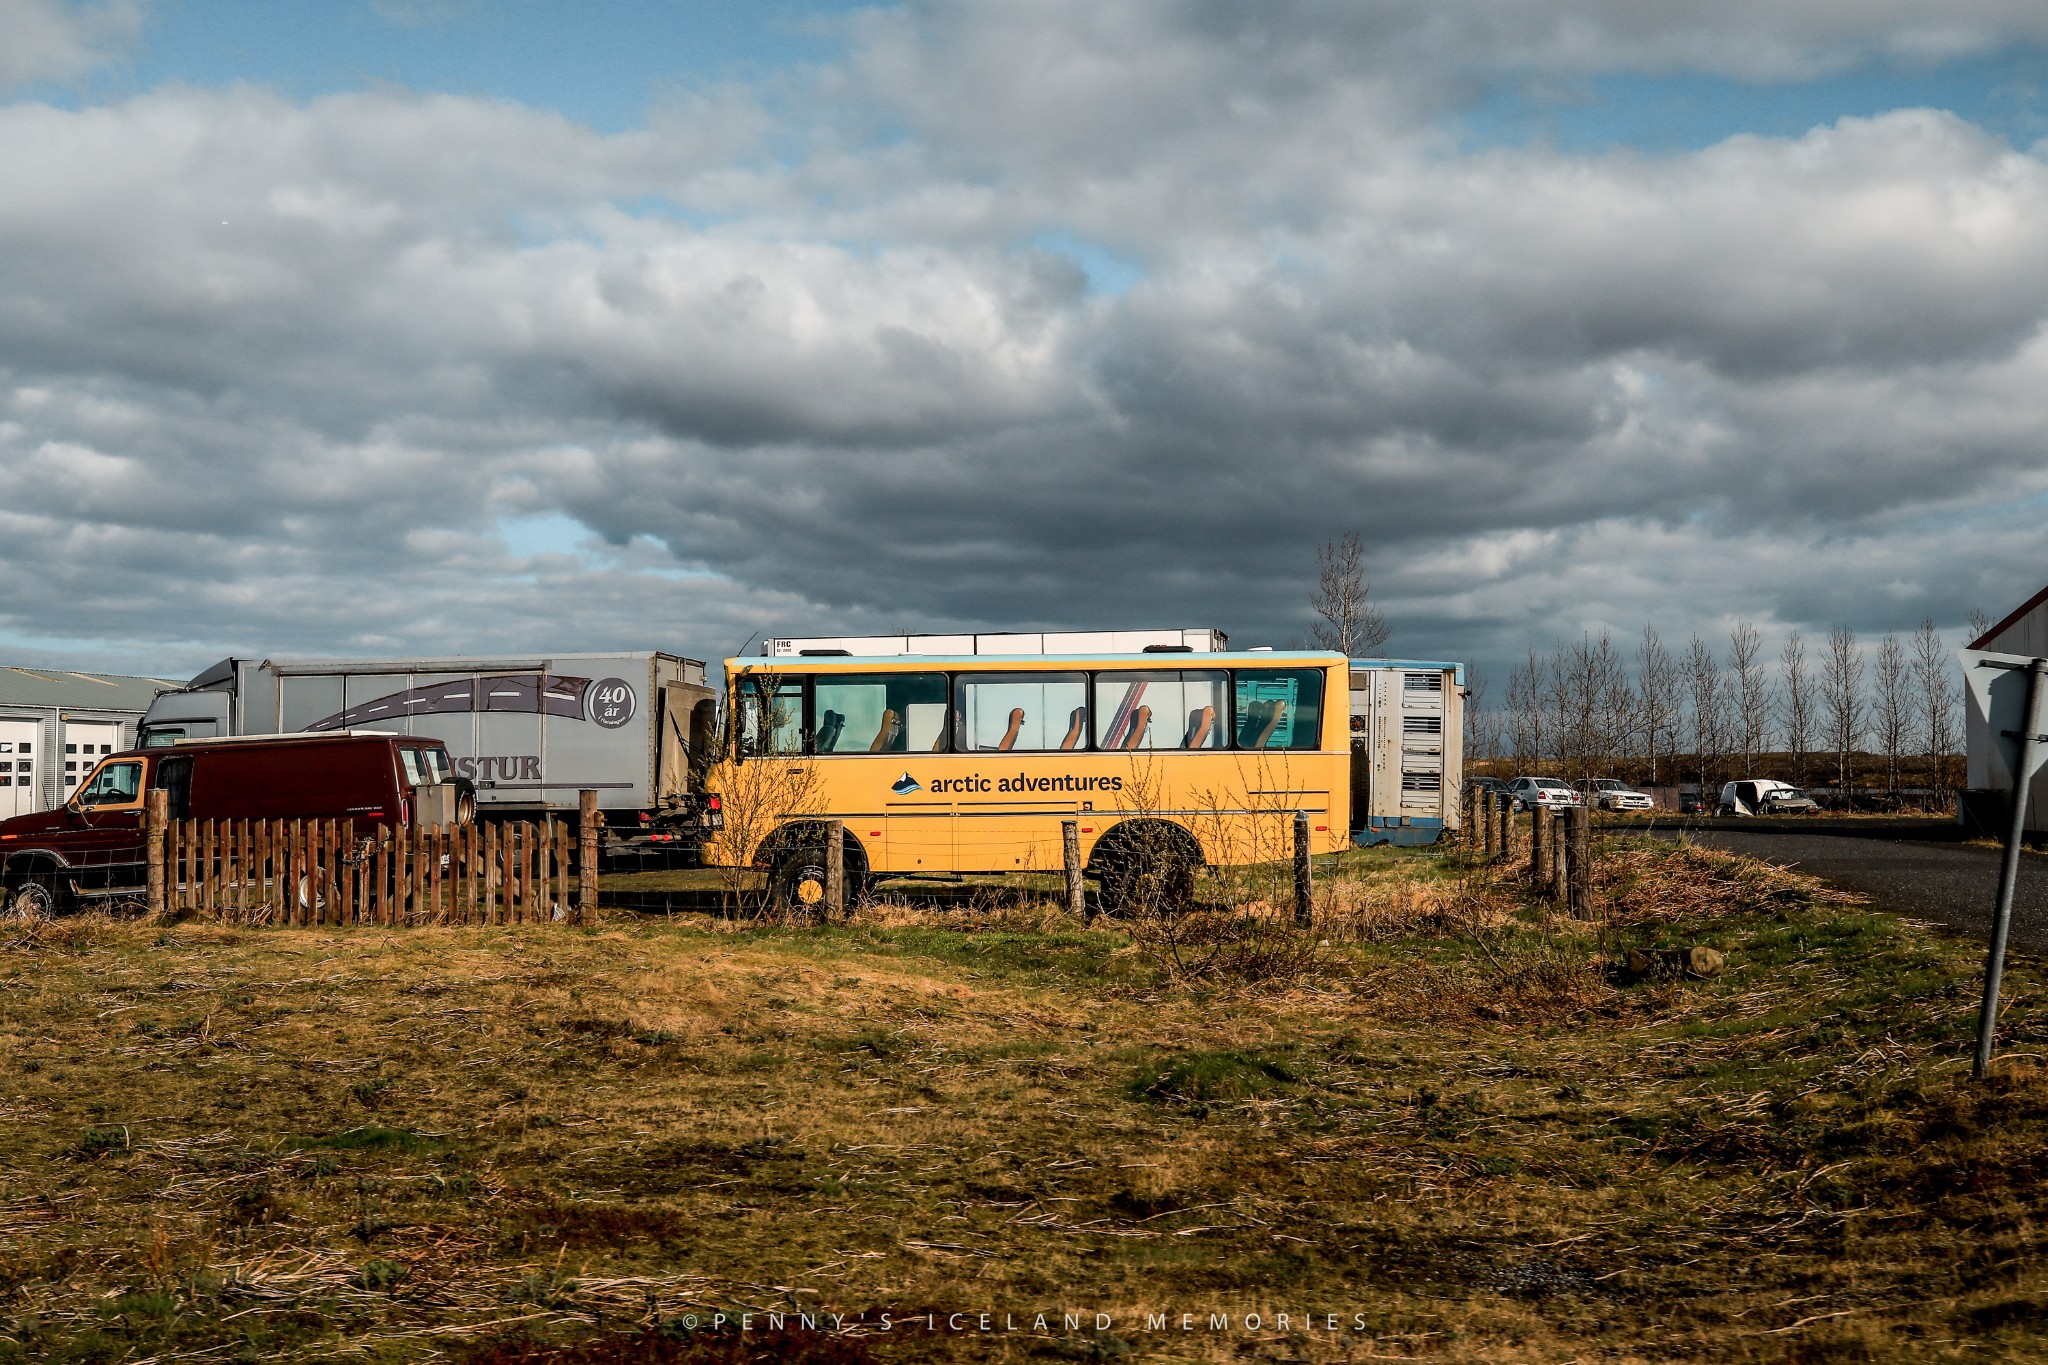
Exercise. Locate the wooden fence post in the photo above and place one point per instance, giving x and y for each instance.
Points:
(588, 818)
(1578, 844)
(1539, 848)
(1304, 886)
(1070, 850)
(835, 869)
(155, 810)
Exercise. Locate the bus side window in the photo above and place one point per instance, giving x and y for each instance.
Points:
(1024, 712)
(1160, 710)
(1278, 708)
(880, 713)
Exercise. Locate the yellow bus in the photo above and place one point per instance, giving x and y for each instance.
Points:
(962, 765)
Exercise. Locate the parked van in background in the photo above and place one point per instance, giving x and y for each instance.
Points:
(91, 847)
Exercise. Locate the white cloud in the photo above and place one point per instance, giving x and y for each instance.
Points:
(52, 40)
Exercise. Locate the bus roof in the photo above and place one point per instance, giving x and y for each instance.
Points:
(999, 663)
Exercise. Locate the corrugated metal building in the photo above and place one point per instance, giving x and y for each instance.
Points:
(2025, 633)
(54, 725)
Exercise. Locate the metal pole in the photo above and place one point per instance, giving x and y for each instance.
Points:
(2009, 869)
(1304, 888)
(835, 868)
(1077, 894)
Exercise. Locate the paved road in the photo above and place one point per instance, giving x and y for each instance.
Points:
(1946, 883)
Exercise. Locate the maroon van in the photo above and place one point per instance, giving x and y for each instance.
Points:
(91, 846)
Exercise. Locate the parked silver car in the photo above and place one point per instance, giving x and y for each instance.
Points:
(1552, 792)
(1609, 794)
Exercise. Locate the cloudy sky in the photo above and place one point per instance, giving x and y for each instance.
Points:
(391, 326)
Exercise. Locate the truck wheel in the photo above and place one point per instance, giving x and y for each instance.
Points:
(36, 899)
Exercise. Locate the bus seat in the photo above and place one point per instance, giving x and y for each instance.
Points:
(1009, 740)
(1272, 723)
(1249, 718)
(885, 737)
(1075, 724)
(1141, 720)
(829, 727)
(1200, 722)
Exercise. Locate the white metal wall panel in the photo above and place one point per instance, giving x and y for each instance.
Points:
(20, 767)
(86, 742)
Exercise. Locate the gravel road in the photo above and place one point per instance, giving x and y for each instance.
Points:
(1946, 883)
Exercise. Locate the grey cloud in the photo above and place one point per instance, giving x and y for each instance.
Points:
(271, 373)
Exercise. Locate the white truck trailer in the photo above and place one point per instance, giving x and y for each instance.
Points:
(526, 733)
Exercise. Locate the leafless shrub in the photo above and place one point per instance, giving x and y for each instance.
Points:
(759, 791)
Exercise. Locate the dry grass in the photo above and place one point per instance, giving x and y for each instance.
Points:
(1454, 1126)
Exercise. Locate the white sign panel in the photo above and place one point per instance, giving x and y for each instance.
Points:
(1997, 691)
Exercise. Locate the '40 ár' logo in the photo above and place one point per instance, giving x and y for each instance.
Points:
(905, 785)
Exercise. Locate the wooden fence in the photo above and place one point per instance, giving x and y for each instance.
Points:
(334, 872)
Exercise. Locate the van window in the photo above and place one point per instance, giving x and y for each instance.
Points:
(1162, 710)
(115, 784)
(415, 766)
(1024, 712)
(1279, 708)
(173, 776)
(880, 713)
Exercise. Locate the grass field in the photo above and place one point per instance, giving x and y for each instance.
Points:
(1445, 1124)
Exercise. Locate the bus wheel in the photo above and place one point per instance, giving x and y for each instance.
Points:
(1147, 869)
(35, 899)
(798, 883)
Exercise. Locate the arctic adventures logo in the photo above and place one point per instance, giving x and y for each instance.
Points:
(979, 782)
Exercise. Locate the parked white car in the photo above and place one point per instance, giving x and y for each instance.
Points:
(1610, 794)
(1764, 796)
(1553, 792)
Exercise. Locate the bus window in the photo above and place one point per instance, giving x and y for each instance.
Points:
(772, 717)
(1161, 710)
(880, 713)
(1036, 712)
(1279, 708)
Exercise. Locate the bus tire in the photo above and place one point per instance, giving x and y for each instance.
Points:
(1146, 867)
(796, 878)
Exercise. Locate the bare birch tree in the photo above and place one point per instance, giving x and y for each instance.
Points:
(1525, 712)
(1752, 694)
(1892, 709)
(1708, 695)
(1798, 710)
(1352, 625)
(1936, 691)
(1979, 624)
(1657, 699)
(1841, 685)
(1591, 698)
(1482, 723)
